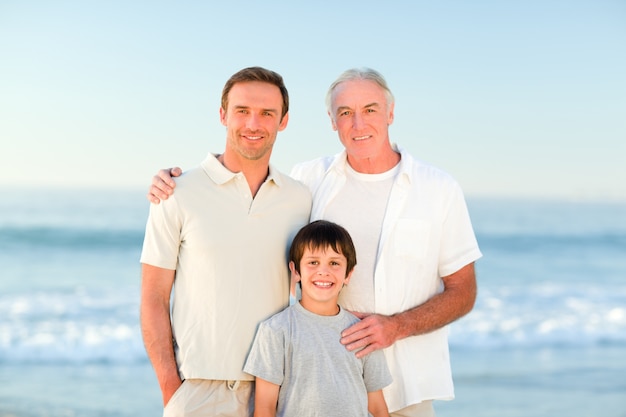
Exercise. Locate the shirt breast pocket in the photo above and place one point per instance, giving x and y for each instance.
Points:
(411, 238)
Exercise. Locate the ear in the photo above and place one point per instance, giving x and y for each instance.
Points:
(332, 121)
(283, 122)
(294, 272)
(390, 115)
(295, 278)
(223, 116)
(346, 280)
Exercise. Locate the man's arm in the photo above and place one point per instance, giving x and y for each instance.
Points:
(265, 398)
(376, 404)
(156, 327)
(376, 331)
(162, 184)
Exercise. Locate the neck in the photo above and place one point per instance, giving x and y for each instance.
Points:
(375, 164)
(255, 171)
(321, 309)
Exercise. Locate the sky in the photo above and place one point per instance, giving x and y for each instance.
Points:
(513, 98)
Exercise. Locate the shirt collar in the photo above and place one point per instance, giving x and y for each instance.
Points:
(221, 175)
(340, 163)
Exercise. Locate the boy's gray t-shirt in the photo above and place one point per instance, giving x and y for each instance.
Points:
(318, 376)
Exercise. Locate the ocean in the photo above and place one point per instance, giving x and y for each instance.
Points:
(547, 336)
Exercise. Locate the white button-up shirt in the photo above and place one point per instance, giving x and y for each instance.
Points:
(426, 234)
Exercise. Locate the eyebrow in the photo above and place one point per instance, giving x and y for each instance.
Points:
(367, 106)
(242, 107)
(374, 104)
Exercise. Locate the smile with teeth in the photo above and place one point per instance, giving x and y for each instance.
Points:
(323, 284)
(360, 137)
(249, 137)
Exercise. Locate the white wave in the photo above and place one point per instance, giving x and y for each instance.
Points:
(543, 315)
(82, 327)
(76, 328)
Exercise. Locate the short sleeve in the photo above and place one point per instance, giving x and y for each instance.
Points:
(267, 356)
(459, 246)
(163, 235)
(376, 373)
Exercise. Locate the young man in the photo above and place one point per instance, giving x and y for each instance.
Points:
(410, 225)
(301, 367)
(221, 242)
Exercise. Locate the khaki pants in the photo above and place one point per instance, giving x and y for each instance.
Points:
(202, 397)
(423, 409)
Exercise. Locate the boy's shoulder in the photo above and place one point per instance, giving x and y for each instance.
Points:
(279, 319)
(349, 316)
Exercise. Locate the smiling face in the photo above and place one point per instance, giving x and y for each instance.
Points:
(361, 115)
(253, 120)
(323, 273)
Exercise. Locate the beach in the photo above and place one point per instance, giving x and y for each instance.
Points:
(547, 336)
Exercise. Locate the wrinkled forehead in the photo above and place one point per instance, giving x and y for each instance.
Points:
(358, 93)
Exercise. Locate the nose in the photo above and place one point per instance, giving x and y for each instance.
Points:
(357, 121)
(252, 122)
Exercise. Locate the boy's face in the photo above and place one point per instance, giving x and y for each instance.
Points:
(322, 276)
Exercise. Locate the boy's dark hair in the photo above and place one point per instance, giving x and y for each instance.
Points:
(322, 234)
(257, 74)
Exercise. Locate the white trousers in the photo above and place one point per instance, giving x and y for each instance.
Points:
(423, 409)
(202, 397)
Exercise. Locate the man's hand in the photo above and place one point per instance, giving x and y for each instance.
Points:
(170, 389)
(156, 326)
(373, 332)
(376, 331)
(163, 184)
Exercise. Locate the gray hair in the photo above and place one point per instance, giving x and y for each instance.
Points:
(360, 74)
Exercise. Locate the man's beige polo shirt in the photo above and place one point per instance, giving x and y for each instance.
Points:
(230, 256)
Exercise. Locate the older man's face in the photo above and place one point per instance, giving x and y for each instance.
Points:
(361, 116)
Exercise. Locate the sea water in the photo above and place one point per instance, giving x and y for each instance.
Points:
(547, 336)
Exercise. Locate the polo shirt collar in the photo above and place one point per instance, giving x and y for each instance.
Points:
(221, 175)
(275, 176)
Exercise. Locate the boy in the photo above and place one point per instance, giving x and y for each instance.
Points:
(301, 367)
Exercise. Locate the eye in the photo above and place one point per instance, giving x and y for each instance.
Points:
(345, 113)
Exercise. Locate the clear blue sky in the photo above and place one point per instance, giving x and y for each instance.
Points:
(513, 98)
